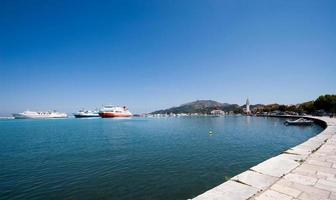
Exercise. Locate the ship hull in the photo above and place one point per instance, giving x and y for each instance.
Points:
(113, 115)
(85, 116)
(20, 116)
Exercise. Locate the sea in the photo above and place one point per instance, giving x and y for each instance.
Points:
(168, 158)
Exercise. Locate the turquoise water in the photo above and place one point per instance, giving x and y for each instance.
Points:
(143, 158)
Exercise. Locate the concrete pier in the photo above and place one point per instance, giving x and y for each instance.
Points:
(304, 172)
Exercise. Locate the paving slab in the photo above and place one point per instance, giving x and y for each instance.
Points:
(276, 166)
(326, 185)
(326, 175)
(300, 150)
(328, 170)
(316, 196)
(255, 179)
(230, 190)
(273, 195)
(307, 173)
(297, 178)
(319, 163)
(307, 191)
(286, 190)
(332, 179)
(293, 157)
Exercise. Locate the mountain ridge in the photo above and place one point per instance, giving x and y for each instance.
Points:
(199, 106)
(324, 104)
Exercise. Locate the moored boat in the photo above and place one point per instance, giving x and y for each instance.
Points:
(300, 121)
(86, 114)
(109, 111)
(39, 115)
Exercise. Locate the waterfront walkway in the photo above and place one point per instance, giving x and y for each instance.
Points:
(305, 172)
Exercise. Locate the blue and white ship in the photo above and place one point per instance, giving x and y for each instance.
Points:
(86, 113)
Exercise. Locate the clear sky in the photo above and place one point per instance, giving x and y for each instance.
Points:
(148, 55)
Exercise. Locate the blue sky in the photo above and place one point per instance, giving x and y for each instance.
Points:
(149, 55)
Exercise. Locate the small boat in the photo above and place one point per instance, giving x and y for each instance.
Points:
(86, 114)
(39, 115)
(301, 121)
(109, 111)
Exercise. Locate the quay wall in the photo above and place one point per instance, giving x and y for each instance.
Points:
(306, 171)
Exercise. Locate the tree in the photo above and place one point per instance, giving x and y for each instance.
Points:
(307, 107)
(326, 103)
(282, 108)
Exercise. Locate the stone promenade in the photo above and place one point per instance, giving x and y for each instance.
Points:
(305, 172)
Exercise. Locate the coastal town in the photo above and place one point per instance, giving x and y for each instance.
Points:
(324, 105)
(168, 100)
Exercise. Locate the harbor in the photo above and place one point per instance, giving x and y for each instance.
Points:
(302, 171)
(306, 171)
(136, 158)
(168, 100)
(107, 111)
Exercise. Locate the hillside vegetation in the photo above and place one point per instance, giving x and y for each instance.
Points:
(323, 104)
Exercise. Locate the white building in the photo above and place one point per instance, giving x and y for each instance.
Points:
(217, 112)
(248, 111)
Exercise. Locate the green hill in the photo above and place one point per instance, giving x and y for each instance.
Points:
(199, 106)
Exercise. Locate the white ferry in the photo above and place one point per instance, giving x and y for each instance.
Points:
(86, 114)
(109, 111)
(39, 115)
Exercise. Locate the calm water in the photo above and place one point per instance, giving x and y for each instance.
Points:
(169, 158)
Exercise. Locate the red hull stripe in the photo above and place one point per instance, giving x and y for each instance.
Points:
(109, 115)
